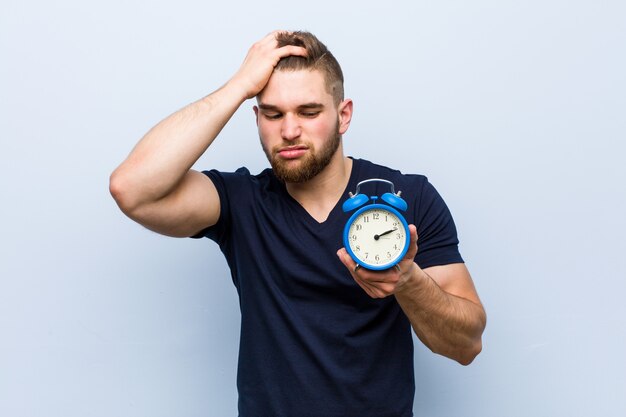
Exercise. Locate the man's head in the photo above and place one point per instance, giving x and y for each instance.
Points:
(301, 112)
(318, 58)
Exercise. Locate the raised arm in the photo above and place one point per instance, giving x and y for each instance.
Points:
(155, 185)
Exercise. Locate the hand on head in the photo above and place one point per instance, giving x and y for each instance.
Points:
(260, 62)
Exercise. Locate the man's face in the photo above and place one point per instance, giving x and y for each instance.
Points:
(298, 124)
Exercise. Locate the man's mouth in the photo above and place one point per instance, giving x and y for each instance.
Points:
(292, 152)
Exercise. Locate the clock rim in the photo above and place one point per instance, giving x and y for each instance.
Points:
(346, 242)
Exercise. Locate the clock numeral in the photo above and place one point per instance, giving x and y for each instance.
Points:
(388, 254)
(357, 248)
(359, 227)
(366, 219)
(367, 254)
(354, 237)
(377, 258)
(376, 216)
(398, 235)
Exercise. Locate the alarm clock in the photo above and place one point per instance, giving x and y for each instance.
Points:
(376, 236)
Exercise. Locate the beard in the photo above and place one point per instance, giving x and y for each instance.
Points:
(307, 167)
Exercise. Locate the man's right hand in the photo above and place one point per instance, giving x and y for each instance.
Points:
(260, 62)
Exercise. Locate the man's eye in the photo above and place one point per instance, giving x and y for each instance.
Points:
(272, 116)
(310, 113)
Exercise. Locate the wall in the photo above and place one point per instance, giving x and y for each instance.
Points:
(515, 111)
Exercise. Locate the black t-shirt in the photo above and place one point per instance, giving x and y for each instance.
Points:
(313, 343)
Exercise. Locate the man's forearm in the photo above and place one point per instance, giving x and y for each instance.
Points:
(447, 324)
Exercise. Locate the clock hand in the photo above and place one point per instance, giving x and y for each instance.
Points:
(376, 237)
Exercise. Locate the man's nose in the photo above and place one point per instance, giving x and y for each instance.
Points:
(290, 128)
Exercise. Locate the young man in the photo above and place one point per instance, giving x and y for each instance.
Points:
(319, 336)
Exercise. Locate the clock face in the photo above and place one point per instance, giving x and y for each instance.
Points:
(377, 237)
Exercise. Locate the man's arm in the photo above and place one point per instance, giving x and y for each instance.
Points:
(440, 302)
(155, 185)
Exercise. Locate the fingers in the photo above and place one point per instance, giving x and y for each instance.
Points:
(284, 51)
(377, 284)
(380, 284)
(412, 251)
(345, 259)
(260, 62)
(289, 50)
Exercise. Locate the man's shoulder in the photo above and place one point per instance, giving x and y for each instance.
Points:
(241, 175)
(242, 188)
(370, 169)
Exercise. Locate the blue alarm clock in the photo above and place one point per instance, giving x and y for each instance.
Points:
(376, 236)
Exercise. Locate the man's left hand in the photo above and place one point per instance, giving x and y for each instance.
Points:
(380, 284)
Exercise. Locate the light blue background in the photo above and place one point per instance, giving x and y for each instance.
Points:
(515, 111)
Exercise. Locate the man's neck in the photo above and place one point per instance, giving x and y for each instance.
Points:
(319, 195)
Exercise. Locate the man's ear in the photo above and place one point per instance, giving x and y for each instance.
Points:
(256, 114)
(345, 115)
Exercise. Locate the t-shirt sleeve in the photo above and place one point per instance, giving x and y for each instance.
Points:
(225, 184)
(437, 243)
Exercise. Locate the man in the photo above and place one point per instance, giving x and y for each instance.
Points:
(319, 336)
